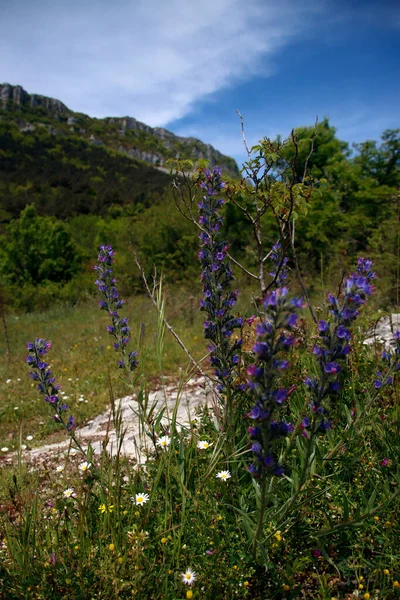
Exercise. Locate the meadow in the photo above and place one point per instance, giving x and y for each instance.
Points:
(287, 486)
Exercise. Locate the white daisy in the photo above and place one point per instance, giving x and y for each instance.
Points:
(163, 441)
(5, 449)
(203, 445)
(68, 492)
(140, 498)
(84, 466)
(59, 469)
(29, 438)
(189, 576)
(8, 380)
(223, 475)
(73, 452)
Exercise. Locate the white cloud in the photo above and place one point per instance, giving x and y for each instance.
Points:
(151, 59)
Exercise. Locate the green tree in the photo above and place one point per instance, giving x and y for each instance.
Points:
(327, 150)
(36, 249)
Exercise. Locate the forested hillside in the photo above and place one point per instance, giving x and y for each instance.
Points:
(61, 195)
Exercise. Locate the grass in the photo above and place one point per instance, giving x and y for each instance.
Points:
(338, 539)
(83, 360)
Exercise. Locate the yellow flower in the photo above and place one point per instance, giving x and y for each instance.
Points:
(376, 518)
(103, 508)
(278, 536)
(120, 560)
(111, 547)
(189, 594)
(164, 540)
(386, 572)
(245, 583)
(361, 587)
(396, 584)
(367, 596)
(286, 587)
(76, 547)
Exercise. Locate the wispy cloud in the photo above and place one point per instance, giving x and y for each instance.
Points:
(151, 59)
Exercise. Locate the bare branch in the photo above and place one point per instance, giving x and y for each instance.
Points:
(314, 135)
(243, 133)
(242, 267)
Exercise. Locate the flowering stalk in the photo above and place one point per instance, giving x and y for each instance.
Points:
(46, 383)
(279, 261)
(333, 348)
(119, 328)
(274, 338)
(334, 344)
(218, 298)
(391, 360)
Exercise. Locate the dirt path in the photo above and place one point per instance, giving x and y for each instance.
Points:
(197, 392)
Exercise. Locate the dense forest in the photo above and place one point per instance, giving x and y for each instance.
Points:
(60, 197)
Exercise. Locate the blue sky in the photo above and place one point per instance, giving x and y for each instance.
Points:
(188, 65)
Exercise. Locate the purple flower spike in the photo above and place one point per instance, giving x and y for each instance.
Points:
(264, 379)
(119, 328)
(216, 278)
(335, 333)
(46, 386)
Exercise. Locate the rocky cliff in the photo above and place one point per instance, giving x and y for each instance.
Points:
(124, 134)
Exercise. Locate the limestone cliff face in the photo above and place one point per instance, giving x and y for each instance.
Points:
(125, 134)
(17, 96)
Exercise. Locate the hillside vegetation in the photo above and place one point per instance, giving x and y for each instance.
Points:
(68, 184)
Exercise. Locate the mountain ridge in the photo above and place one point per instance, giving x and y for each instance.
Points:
(153, 145)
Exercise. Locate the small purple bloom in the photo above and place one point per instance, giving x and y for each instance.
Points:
(323, 326)
(331, 368)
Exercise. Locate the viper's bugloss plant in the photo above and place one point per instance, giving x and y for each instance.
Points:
(274, 339)
(391, 362)
(279, 261)
(46, 381)
(111, 302)
(334, 346)
(218, 299)
(217, 276)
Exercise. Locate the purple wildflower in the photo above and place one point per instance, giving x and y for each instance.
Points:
(47, 386)
(263, 380)
(216, 277)
(119, 328)
(279, 260)
(334, 337)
